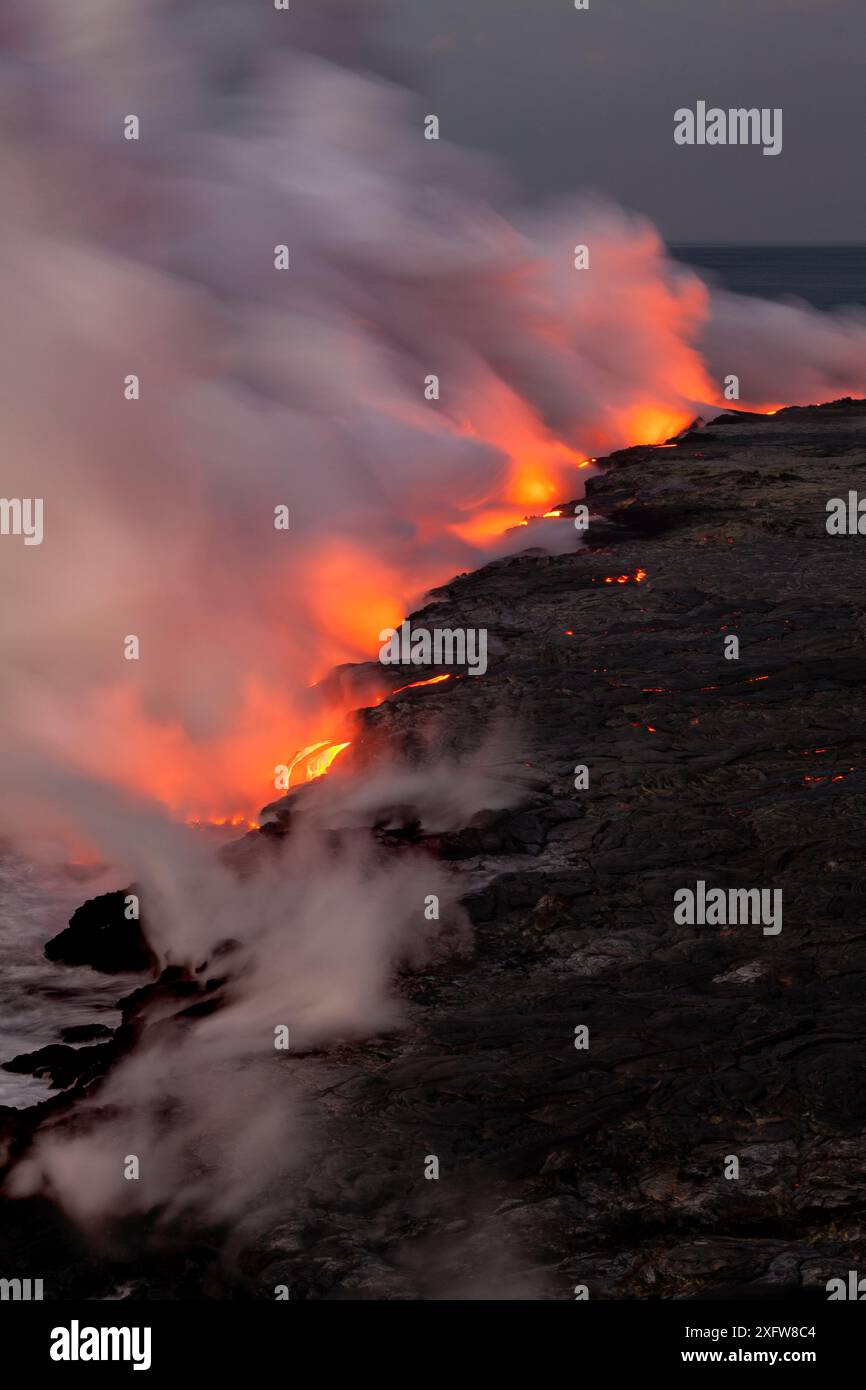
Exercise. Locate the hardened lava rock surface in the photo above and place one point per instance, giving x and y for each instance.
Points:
(605, 1166)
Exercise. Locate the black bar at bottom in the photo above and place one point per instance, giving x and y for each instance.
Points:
(231, 1338)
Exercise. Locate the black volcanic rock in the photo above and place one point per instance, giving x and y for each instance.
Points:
(85, 1032)
(100, 935)
(607, 1167)
(62, 1066)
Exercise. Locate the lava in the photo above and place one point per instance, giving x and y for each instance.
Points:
(415, 685)
(222, 822)
(637, 578)
(316, 759)
(812, 781)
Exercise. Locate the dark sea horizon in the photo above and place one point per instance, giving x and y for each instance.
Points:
(827, 277)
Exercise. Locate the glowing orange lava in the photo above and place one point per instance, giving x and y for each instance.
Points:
(637, 578)
(653, 425)
(352, 596)
(316, 759)
(352, 593)
(223, 822)
(538, 463)
(414, 685)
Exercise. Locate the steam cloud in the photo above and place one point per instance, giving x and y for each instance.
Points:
(309, 938)
(303, 388)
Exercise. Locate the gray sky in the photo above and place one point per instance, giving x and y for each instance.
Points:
(569, 98)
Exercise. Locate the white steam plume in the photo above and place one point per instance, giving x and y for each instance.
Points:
(304, 388)
(309, 938)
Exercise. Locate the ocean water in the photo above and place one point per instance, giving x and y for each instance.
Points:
(827, 277)
(37, 997)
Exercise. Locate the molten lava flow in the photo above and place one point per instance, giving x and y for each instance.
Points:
(655, 425)
(538, 464)
(318, 765)
(316, 759)
(342, 592)
(414, 685)
(637, 578)
(350, 594)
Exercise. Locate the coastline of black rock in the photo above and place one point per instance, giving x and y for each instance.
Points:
(602, 1167)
